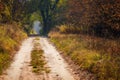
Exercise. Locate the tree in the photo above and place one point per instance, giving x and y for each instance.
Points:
(12, 10)
(96, 17)
(107, 21)
(47, 8)
(5, 10)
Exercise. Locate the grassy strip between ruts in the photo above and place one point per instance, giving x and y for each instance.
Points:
(38, 60)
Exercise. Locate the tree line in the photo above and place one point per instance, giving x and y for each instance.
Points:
(21, 10)
(94, 17)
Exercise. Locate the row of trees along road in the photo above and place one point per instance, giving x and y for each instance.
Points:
(98, 17)
(21, 10)
(12, 10)
(48, 11)
(91, 16)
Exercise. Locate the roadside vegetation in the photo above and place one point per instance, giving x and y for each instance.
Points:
(88, 32)
(98, 56)
(10, 38)
(38, 60)
(14, 20)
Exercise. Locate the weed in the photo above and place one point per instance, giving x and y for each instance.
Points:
(10, 38)
(38, 60)
(96, 55)
(4, 61)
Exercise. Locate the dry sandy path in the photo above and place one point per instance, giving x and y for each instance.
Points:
(59, 68)
(20, 60)
(20, 69)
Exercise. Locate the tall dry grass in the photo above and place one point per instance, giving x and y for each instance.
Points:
(97, 55)
(11, 36)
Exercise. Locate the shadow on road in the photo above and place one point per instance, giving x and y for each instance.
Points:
(34, 35)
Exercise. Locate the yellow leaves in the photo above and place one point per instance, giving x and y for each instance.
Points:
(10, 38)
(62, 28)
(69, 29)
(7, 12)
(4, 61)
(61, 3)
(7, 44)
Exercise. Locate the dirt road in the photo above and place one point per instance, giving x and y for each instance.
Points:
(59, 68)
(20, 69)
(20, 59)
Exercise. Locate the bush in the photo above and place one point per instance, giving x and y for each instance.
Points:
(7, 44)
(69, 29)
(107, 69)
(10, 37)
(4, 61)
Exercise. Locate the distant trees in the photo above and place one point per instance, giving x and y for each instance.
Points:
(101, 18)
(98, 17)
(108, 18)
(21, 11)
(5, 8)
(108, 11)
(47, 8)
(12, 10)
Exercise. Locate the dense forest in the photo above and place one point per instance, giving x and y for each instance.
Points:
(100, 18)
(86, 31)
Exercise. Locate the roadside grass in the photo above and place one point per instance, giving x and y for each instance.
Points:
(98, 56)
(10, 39)
(4, 61)
(38, 62)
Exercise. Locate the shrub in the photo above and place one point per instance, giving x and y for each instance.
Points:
(4, 61)
(69, 29)
(7, 44)
(10, 37)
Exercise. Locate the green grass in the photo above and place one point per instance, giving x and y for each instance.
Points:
(4, 61)
(98, 56)
(38, 62)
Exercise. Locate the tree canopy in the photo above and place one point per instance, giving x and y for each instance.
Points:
(97, 17)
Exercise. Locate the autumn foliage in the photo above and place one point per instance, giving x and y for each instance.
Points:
(10, 39)
(90, 36)
(100, 17)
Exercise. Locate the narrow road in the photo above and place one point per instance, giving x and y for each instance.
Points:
(59, 68)
(21, 58)
(20, 69)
